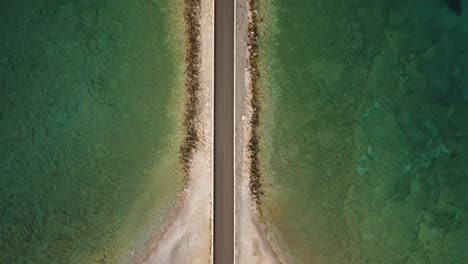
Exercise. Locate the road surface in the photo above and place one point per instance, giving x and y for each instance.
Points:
(224, 133)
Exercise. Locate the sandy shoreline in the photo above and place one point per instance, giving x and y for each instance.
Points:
(187, 236)
(252, 244)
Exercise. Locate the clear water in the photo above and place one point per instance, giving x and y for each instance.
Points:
(364, 146)
(91, 96)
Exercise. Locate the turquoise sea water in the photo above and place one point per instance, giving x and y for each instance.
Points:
(91, 97)
(364, 130)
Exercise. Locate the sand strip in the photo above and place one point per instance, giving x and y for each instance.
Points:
(251, 246)
(187, 238)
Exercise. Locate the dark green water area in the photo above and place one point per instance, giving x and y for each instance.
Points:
(91, 96)
(364, 130)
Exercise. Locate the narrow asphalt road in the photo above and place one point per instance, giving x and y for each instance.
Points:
(224, 133)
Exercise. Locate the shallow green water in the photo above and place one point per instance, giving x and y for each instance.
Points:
(91, 96)
(364, 128)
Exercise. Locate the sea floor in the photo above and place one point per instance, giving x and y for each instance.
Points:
(90, 106)
(364, 130)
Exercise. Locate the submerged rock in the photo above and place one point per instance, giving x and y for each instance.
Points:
(455, 6)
